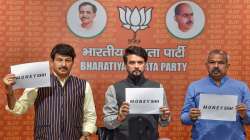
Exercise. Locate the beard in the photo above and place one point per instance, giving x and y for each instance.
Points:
(136, 76)
(136, 73)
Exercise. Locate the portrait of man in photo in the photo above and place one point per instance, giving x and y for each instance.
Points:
(184, 16)
(86, 18)
(87, 14)
(185, 19)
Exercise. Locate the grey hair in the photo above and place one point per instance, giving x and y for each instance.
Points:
(220, 52)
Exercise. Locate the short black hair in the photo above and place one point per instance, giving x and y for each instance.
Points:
(139, 51)
(90, 4)
(63, 49)
(178, 8)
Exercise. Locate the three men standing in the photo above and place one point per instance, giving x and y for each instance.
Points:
(66, 109)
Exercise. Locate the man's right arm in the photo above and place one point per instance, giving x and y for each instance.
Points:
(9, 80)
(190, 112)
(21, 105)
(110, 109)
(24, 102)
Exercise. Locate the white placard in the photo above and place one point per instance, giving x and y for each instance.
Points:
(31, 75)
(218, 107)
(144, 100)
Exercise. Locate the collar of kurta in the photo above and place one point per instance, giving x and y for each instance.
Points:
(62, 81)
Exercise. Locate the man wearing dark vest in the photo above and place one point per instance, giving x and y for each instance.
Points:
(127, 126)
(64, 111)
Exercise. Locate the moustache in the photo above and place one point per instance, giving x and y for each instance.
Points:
(216, 70)
(65, 68)
(84, 18)
(190, 22)
(136, 71)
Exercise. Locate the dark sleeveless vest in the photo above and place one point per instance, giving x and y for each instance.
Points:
(136, 126)
(59, 110)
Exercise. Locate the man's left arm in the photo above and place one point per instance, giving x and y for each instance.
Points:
(164, 118)
(89, 120)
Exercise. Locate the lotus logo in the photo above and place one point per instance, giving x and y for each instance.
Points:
(135, 19)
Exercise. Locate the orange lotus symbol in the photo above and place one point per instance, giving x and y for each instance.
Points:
(135, 20)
